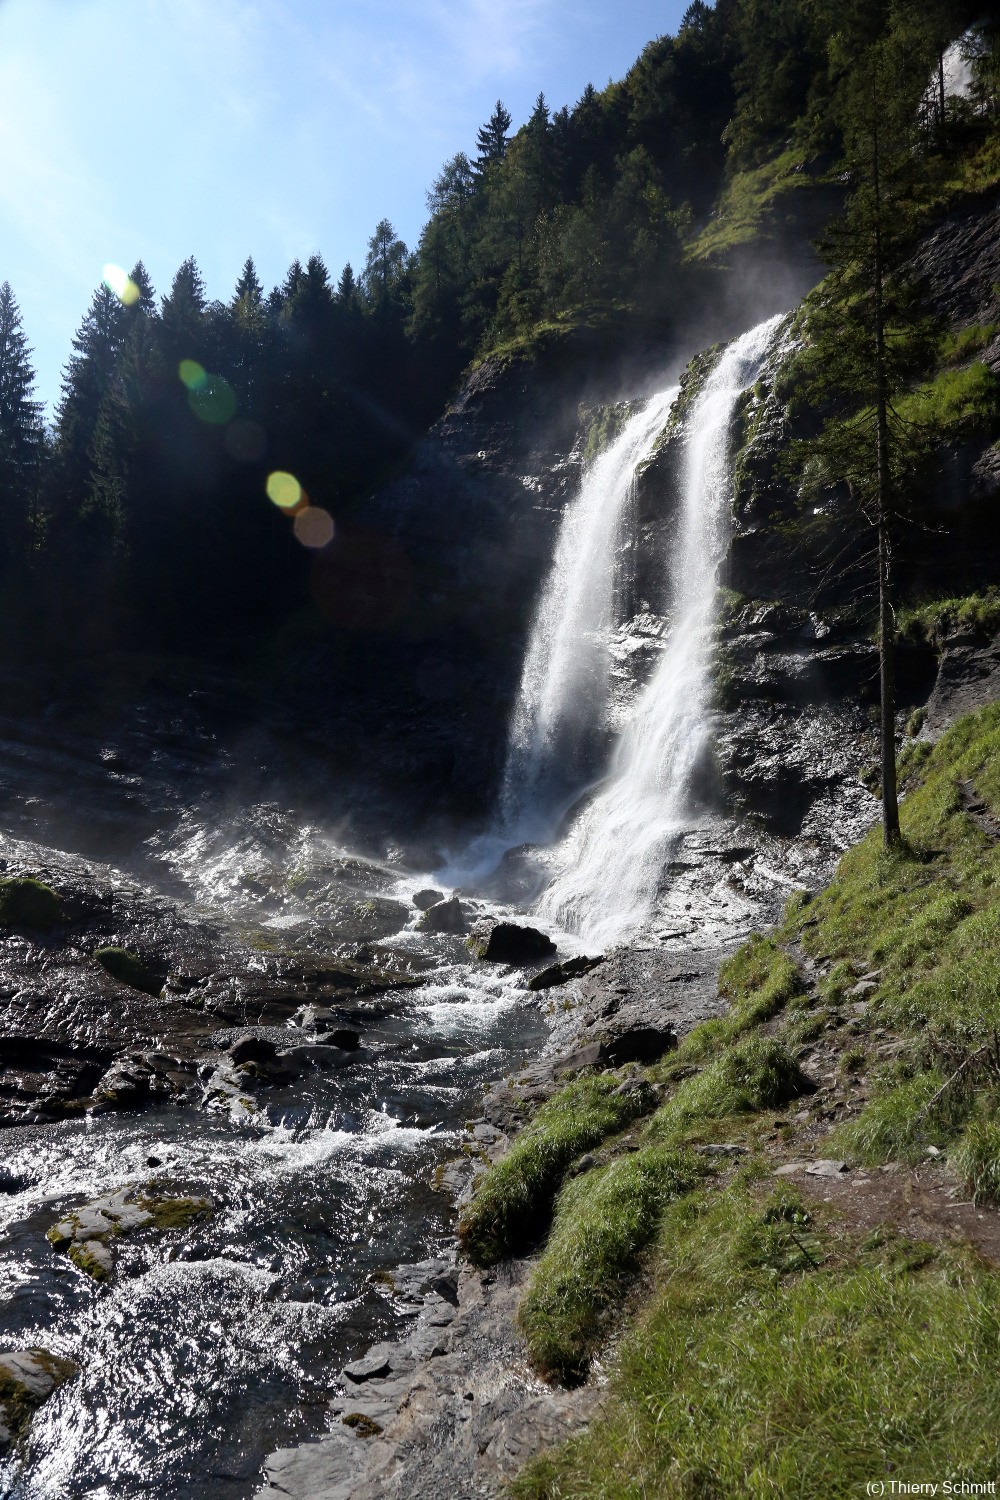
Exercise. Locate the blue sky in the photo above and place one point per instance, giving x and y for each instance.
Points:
(158, 129)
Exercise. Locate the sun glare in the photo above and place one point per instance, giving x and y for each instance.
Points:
(192, 374)
(121, 283)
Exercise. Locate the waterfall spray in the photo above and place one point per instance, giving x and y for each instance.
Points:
(615, 854)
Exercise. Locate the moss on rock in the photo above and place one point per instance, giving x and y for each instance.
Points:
(130, 969)
(26, 902)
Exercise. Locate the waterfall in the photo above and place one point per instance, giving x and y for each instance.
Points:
(615, 854)
(563, 692)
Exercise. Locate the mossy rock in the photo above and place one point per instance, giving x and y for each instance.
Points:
(28, 1377)
(93, 1258)
(130, 969)
(25, 902)
(174, 1213)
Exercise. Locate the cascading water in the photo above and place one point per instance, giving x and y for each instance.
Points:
(564, 684)
(616, 852)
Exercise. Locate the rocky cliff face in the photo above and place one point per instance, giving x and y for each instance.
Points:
(797, 669)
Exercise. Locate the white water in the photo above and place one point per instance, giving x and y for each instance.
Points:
(616, 852)
(563, 693)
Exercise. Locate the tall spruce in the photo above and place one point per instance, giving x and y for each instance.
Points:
(492, 139)
(21, 432)
(871, 336)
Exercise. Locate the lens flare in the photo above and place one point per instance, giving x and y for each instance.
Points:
(284, 489)
(192, 374)
(121, 283)
(213, 401)
(313, 527)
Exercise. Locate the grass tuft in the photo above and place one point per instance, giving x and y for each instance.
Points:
(603, 1222)
(976, 1158)
(755, 1074)
(894, 1125)
(512, 1203)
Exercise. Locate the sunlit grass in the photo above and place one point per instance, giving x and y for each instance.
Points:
(512, 1204)
(603, 1222)
(782, 1358)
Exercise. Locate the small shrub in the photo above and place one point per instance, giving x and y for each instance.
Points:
(512, 1203)
(25, 902)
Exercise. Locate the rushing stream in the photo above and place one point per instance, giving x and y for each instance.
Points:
(200, 1358)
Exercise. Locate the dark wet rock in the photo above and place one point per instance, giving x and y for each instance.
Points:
(642, 1044)
(372, 1366)
(508, 943)
(561, 973)
(252, 1048)
(28, 1377)
(345, 1038)
(425, 899)
(577, 1060)
(298, 1059)
(446, 916)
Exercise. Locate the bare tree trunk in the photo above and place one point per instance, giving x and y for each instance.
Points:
(941, 91)
(886, 621)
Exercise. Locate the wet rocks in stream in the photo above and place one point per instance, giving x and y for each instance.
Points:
(88, 1234)
(445, 916)
(494, 941)
(115, 997)
(28, 1377)
(444, 1410)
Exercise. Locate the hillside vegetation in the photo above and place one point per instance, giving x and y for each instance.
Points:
(777, 1343)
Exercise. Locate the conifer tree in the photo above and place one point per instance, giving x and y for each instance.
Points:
(182, 313)
(86, 382)
(248, 289)
(347, 290)
(870, 335)
(385, 265)
(21, 434)
(492, 140)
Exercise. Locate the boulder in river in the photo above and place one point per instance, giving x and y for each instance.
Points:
(561, 973)
(508, 943)
(28, 1378)
(86, 1233)
(425, 899)
(446, 916)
